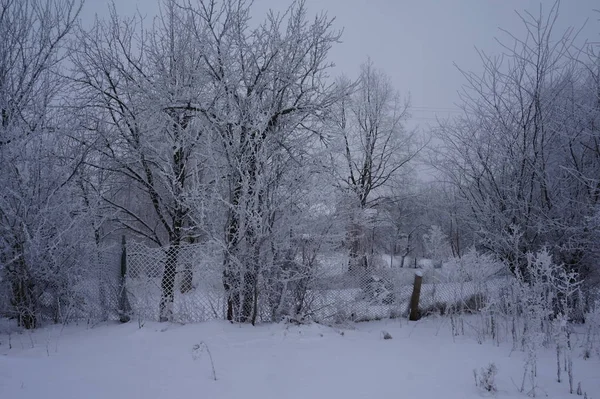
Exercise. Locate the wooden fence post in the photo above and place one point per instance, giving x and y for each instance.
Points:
(414, 299)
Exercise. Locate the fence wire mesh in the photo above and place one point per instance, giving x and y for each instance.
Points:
(193, 276)
(82, 290)
(386, 293)
(189, 287)
(101, 285)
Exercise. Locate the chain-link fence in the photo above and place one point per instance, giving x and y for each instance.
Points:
(386, 293)
(188, 277)
(99, 285)
(186, 284)
(86, 289)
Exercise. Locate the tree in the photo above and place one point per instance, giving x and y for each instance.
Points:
(270, 89)
(138, 87)
(401, 224)
(522, 156)
(40, 234)
(436, 244)
(374, 147)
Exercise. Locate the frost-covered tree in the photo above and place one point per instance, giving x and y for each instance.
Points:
(436, 244)
(207, 124)
(374, 147)
(42, 228)
(524, 157)
(270, 88)
(137, 87)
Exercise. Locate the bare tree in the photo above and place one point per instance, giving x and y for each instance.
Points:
(202, 86)
(37, 239)
(270, 86)
(138, 87)
(375, 148)
(403, 221)
(527, 132)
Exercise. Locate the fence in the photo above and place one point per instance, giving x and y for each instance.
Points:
(186, 284)
(329, 294)
(195, 275)
(86, 289)
(100, 286)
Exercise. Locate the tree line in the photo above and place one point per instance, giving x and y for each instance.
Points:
(204, 125)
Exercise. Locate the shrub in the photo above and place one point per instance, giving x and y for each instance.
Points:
(485, 379)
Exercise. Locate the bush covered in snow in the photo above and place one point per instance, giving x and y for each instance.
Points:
(474, 266)
(486, 378)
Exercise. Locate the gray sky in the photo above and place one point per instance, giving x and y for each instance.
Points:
(416, 42)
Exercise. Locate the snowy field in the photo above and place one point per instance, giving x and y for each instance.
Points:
(422, 360)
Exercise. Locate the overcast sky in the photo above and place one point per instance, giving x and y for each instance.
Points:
(416, 42)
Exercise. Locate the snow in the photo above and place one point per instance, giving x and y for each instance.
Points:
(423, 360)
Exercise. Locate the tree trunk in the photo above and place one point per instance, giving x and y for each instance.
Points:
(248, 293)
(241, 286)
(241, 280)
(124, 307)
(187, 279)
(231, 281)
(168, 284)
(101, 277)
(230, 284)
(23, 291)
(358, 257)
(23, 302)
(180, 123)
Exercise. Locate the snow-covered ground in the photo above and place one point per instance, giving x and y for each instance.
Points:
(422, 360)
